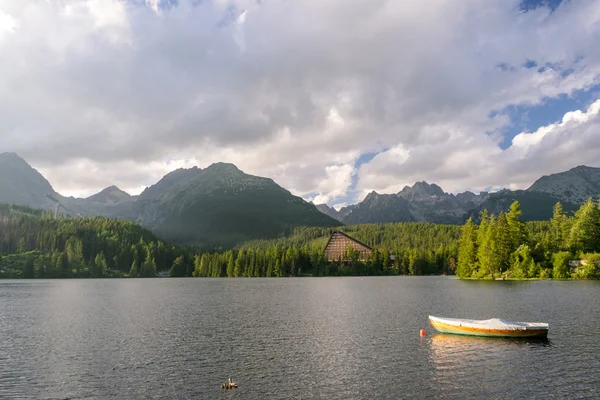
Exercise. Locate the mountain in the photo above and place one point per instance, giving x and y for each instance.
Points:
(536, 206)
(217, 206)
(429, 203)
(422, 202)
(421, 190)
(574, 186)
(21, 184)
(345, 211)
(109, 196)
(222, 206)
(330, 211)
(380, 208)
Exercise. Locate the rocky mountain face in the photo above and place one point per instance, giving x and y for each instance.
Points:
(421, 191)
(380, 208)
(109, 196)
(330, 211)
(574, 186)
(21, 184)
(536, 206)
(422, 202)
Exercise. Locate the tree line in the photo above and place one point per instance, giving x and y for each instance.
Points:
(398, 249)
(35, 245)
(504, 247)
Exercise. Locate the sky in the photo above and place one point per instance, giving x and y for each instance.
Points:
(332, 99)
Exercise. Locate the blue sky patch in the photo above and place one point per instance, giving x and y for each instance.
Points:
(527, 5)
(551, 110)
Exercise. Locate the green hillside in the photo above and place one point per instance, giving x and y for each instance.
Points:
(34, 244)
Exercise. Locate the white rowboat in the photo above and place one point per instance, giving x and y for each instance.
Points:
(494, 327)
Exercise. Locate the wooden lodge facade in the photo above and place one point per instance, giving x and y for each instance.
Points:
(338, 244)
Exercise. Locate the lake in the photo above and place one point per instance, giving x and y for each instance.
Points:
(297, 338)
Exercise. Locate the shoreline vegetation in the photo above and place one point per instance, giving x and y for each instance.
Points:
(503, 247)
(35, 245)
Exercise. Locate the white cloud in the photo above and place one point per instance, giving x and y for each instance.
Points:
(336, 183)
(286, 89)
(8, 24)
(481, 164)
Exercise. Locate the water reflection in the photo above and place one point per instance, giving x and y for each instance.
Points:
(448, 341)
(459, 360)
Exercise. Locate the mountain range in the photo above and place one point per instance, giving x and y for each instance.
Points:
(220, 206)
(425, 202)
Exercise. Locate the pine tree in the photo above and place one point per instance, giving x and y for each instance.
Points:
(585, 232)
(22, 246)
(230, 264)
(467, 250)
(484, 245)
(100, 265)
(516, 228)
(560, 262)
(503, 245)
(558, 225)
(197, 268)
(178, 268)
(134, 271)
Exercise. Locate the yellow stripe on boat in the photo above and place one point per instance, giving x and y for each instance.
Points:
(494, 327)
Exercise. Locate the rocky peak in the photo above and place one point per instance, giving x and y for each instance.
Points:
(173, 179)
(472, 198)
(110, 195)
(330, 211)
(22, 184)
(575, 185)
(372, 196)
(420, 190)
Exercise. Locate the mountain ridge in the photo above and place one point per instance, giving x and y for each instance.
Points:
(575, 185)
(221, 205)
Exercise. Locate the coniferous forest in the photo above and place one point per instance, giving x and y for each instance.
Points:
(504, 247)
(35, 245)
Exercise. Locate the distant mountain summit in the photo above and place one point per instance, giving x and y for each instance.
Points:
(421, 190)
(380, 208)
(575, 185)
(110, 195)
(422, 202)
(330, 211)
(22, 184)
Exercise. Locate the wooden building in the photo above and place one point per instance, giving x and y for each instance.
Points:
(338, 244)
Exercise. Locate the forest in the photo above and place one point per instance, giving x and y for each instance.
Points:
(35, 245)
(503, 247)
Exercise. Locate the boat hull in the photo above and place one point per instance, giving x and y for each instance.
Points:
(472, 331)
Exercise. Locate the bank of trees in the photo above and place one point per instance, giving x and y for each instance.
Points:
(34, 244)
(398, 249)
(503, 246)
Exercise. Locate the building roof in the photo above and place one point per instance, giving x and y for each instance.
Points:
(349, 237)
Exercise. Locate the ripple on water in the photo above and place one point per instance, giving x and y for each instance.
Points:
(334, 338)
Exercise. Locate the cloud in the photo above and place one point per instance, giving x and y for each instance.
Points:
(296, 91)
(474, 165)
(8, 24)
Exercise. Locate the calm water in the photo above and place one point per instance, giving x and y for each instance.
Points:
(303, 338)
